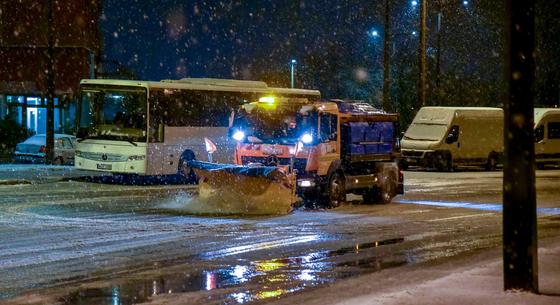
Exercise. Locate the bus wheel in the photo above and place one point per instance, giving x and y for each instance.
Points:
(184, 171)
(336, 191)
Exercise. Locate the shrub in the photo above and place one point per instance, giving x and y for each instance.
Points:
(11, 133)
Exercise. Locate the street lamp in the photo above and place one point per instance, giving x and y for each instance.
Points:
(293, 63)
(374, 33)
(422, 71)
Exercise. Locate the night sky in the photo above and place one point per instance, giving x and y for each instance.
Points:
(173, 39)
(331, 40)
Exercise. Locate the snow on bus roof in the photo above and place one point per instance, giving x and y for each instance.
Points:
(205, 84)
(220, 82)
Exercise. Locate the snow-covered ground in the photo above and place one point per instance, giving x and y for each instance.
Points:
(92, 243)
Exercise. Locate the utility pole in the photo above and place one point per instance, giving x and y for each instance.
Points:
(49, 145)
(519, 194)
(438, 52)
(422, 56)
(386, 59)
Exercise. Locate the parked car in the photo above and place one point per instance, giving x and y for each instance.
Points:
(32, 150)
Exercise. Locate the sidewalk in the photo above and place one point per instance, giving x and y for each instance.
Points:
(11, 174)
(476, 279)
(36, 173)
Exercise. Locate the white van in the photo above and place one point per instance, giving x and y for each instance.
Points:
(547, 136)
(444, 137)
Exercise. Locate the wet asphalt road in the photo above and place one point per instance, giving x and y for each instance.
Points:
(86, 243)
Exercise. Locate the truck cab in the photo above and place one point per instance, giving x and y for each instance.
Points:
(336, 147)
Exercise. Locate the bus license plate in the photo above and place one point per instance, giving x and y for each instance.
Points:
(104, 166)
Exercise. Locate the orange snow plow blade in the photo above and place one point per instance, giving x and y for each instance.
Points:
(246, 190)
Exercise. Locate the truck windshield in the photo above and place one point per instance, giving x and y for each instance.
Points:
(113, 114)
(282, 125)
(425, 132)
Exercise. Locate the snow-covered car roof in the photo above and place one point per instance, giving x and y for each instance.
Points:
(41, 138)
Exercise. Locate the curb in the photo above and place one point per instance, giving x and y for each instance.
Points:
(15, 182)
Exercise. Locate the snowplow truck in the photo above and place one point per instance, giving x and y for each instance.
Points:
(335, 147)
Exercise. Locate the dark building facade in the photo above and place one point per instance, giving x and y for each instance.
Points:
(24, 29)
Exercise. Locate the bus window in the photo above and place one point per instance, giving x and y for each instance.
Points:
(193, 108)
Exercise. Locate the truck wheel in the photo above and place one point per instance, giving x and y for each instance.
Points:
(388, 190)
(382, 195)
(336, 191)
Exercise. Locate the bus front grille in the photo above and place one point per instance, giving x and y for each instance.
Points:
(103, 157)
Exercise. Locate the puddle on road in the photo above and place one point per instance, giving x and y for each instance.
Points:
(254, 281)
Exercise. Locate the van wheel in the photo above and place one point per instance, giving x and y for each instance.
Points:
(492, 162)
(444, 162)
(183, 170)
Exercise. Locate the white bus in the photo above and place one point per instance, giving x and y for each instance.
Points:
(151, 128)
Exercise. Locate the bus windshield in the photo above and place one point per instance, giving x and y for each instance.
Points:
(113, 114)
(282, 125)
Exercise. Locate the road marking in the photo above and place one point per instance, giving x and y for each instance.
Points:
(261, 246)
(495, 207)
(463, 216)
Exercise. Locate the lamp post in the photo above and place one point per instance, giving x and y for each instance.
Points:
(49, 144)
(422, 71)
(293, 63)
(386, 59)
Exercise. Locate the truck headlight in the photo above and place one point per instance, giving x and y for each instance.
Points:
(307, 138)
(238, 135)
(306, 183)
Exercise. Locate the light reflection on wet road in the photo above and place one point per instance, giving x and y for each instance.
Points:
(495, 207)
(83, 243)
